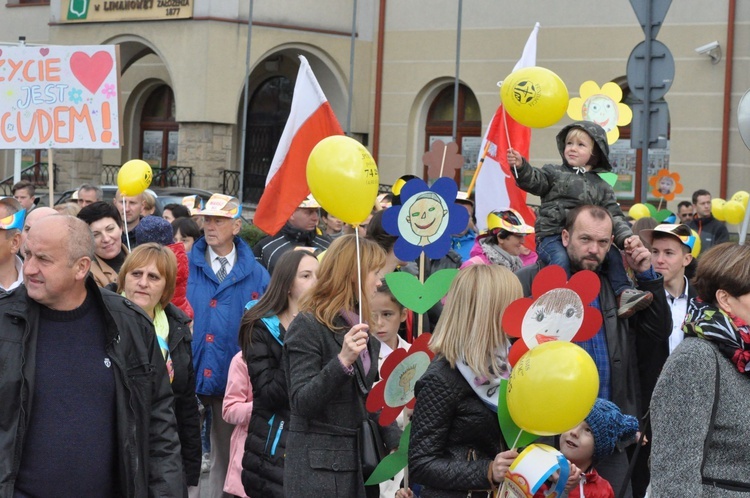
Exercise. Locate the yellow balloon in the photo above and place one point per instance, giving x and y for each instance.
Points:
(552, 388)
(742, 197)
(697, 245)
(734, 212)
(343, 178)
(534, 96)
(638, 211)
(134, 177)
(717, 208)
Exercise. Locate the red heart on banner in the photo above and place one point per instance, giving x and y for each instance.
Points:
(91, 71)
(44, 51)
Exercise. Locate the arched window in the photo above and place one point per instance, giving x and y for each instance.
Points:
(468, 128)
(159, 130)
(266, 116)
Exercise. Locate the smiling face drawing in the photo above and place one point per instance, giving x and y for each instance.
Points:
(555, 316)
(602, 110)
(425, 217)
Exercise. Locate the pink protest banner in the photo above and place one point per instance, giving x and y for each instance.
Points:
(63, 97)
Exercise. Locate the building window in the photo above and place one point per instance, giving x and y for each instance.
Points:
(159, 130)
(267, 113)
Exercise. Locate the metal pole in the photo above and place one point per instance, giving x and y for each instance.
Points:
(743, 229)
(351, 71)
(646, 108)
(243, 137)
(18, 157)
(458, 65)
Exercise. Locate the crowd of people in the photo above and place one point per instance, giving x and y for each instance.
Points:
(151, 350)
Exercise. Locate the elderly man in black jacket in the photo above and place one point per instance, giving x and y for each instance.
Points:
(87, 405)
(587, 237)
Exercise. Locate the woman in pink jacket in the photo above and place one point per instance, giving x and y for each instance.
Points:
(237, 407)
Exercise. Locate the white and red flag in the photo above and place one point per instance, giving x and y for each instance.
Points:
(311, 119)
(495, 184)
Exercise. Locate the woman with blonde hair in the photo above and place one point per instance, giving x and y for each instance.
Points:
(456, 446)
(331, 362)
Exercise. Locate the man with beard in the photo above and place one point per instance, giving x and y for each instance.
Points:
(587, 237)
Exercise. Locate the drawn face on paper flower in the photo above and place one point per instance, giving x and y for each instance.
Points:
(603, 106)
(561, 312)
(555, 316)
(400, 372)
(426, 219)
(425, 216)
(602, 110)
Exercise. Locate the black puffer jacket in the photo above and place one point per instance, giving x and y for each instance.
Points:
(449, 421)
(263, 461)
(183, 387)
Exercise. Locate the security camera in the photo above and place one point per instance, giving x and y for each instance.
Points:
(707, 48)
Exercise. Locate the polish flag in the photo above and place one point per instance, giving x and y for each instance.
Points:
(496, 187)
(311, 119)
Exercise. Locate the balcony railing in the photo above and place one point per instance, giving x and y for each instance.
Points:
(37, 174)
(174, 176)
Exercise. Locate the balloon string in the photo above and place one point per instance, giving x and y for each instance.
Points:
(125, 221)
(359, 273)
(507, 138)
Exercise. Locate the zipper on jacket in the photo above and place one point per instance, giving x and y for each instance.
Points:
(276, 440)
(22, 419)
(270, 430)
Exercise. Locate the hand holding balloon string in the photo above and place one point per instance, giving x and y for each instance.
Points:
(354, 342)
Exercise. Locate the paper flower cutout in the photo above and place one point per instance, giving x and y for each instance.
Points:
(665, 184)
(400, 372)
(559, 311)
(425, 219)
(602, 106)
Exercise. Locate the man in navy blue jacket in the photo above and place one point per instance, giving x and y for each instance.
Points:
(224, 276)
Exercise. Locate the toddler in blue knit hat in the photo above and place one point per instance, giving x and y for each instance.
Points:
(589, 442)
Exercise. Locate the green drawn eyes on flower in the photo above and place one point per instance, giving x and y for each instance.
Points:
(415, 213)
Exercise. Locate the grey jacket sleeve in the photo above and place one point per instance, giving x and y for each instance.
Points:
(680, 416)
(313, 379)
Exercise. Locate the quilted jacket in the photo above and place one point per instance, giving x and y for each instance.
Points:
(562, 189)
(448, 424)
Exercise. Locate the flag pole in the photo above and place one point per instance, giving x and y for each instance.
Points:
(479, 168)
(243, 136)
(351, 71)
(458, 65)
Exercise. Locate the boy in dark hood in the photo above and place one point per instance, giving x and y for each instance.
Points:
(584, 150)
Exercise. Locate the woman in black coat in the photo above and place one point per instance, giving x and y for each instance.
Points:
(331, 363)
(455, 445)
(148, 278)
(261, 338)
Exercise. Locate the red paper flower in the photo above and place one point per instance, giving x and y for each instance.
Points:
(400, 372)
(559, 311)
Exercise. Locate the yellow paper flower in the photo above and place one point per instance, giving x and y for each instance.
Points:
(602, 106)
